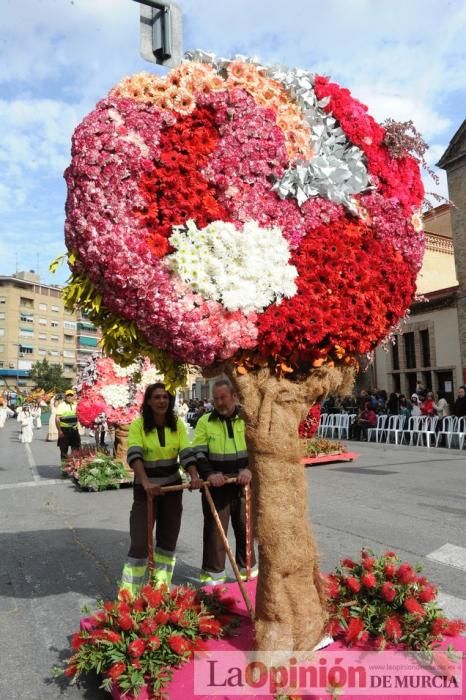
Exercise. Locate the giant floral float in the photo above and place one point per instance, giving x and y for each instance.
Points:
(107, 391)
(258, 221)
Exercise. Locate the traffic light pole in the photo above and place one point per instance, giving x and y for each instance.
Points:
(161, 32)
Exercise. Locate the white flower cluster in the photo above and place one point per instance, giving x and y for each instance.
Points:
(150, 376)
(126, 371)
(244, 269)
(115, 395)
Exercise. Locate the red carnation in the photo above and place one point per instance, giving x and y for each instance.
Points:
(152, 595)
(453, 628)
(175, 616)
(369, 580)
(126, 622)
(332, 586)
(349, 563)
(109, 606)
(355, 630)
(438, 626)
(388, 592)
(199, 645)
(161, 617)
(147, 627)
(124, 608)
(393, 628)
(209, 626)
(124, 595)
(154, 642)
(405, 573)
(77, 641)
(136, 648)
(368, 563)
(112, 636)
(390, 555)
(414, 607)
(70, 670)
(139, 604)
(116, 670)
(353, 584)
(98, 620)
(389, 570)
(427, 594)
(178, 644)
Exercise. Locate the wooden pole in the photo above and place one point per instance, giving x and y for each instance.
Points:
(247, 493)
(226, 544)
(150, 533)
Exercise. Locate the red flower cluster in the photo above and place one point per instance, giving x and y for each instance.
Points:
(175, 190)
(382, 600)
(345, 307)
(130, 637)
(308, 427)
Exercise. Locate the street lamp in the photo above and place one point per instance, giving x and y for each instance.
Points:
(161, 32)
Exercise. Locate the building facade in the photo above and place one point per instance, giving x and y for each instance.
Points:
(428, 349)
(34, 325)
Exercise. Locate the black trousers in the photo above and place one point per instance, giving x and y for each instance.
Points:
(70, 438)
(230, 503)
(167, 513)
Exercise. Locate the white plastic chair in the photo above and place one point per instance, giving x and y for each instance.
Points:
(460, 432)
(412, 429)
(394, 428)
(427, 430)
(322, 424)
(379, 429)
(449, 426)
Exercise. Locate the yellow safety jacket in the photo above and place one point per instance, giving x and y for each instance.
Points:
(160, 451)
(219, 444)
(67, 412)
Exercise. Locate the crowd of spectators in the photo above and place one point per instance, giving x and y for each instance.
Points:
(369, 404)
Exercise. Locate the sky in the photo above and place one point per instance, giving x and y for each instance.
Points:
(405, 59)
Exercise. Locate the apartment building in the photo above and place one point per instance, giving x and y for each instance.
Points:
(35, 325)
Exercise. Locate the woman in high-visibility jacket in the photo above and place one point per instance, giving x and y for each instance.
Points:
(157, 444)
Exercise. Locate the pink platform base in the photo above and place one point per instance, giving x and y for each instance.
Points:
(182, 684)
(328, 459)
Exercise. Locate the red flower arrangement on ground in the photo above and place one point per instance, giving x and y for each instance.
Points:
(388, 603)
(163, 164)
(136, 642)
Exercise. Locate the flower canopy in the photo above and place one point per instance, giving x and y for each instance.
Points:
(106, 388)
(234, 211)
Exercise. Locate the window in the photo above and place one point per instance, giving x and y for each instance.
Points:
(56, 309)
(42, 336)
(1, 364)
(395, 354)
(26, 302)
(26, 332)
(2, 316)
(26, 349)
(84, 340)
(425, 348)
(2, 331)
(54, 324)
(396, 383)
(54, 338)
(2, 348)
(69, 338)
(26, 318)
(42, 307)
(410, 351)
(2, 300)
(54, 352)
(42, 321)
(69, 325)
(42, 351)
(68, 353)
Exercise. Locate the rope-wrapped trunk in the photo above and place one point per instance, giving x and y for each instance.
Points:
(290, 601)
(120, 446)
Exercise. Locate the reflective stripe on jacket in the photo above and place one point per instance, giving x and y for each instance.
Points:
(160, 460)
(219, 444)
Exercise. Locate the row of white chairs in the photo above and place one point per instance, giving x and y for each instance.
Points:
(415, 430)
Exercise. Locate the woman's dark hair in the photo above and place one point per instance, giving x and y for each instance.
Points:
(147, 413)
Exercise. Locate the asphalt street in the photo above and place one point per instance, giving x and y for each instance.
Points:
(61, 549)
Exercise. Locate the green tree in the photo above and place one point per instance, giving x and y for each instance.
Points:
(48, 377)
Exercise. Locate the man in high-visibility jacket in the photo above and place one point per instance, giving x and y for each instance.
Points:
(67, 424)
(219, 446)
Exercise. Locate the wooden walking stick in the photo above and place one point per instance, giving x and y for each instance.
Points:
(247, 493)
(226, 544)
(150, 533)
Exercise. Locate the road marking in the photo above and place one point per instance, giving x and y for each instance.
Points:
(31, 462)
(450, 554)
(452, 606)
(28, 484)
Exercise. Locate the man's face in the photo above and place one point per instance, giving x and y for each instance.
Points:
(69, 398)
(461, 393)
(224, 400)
